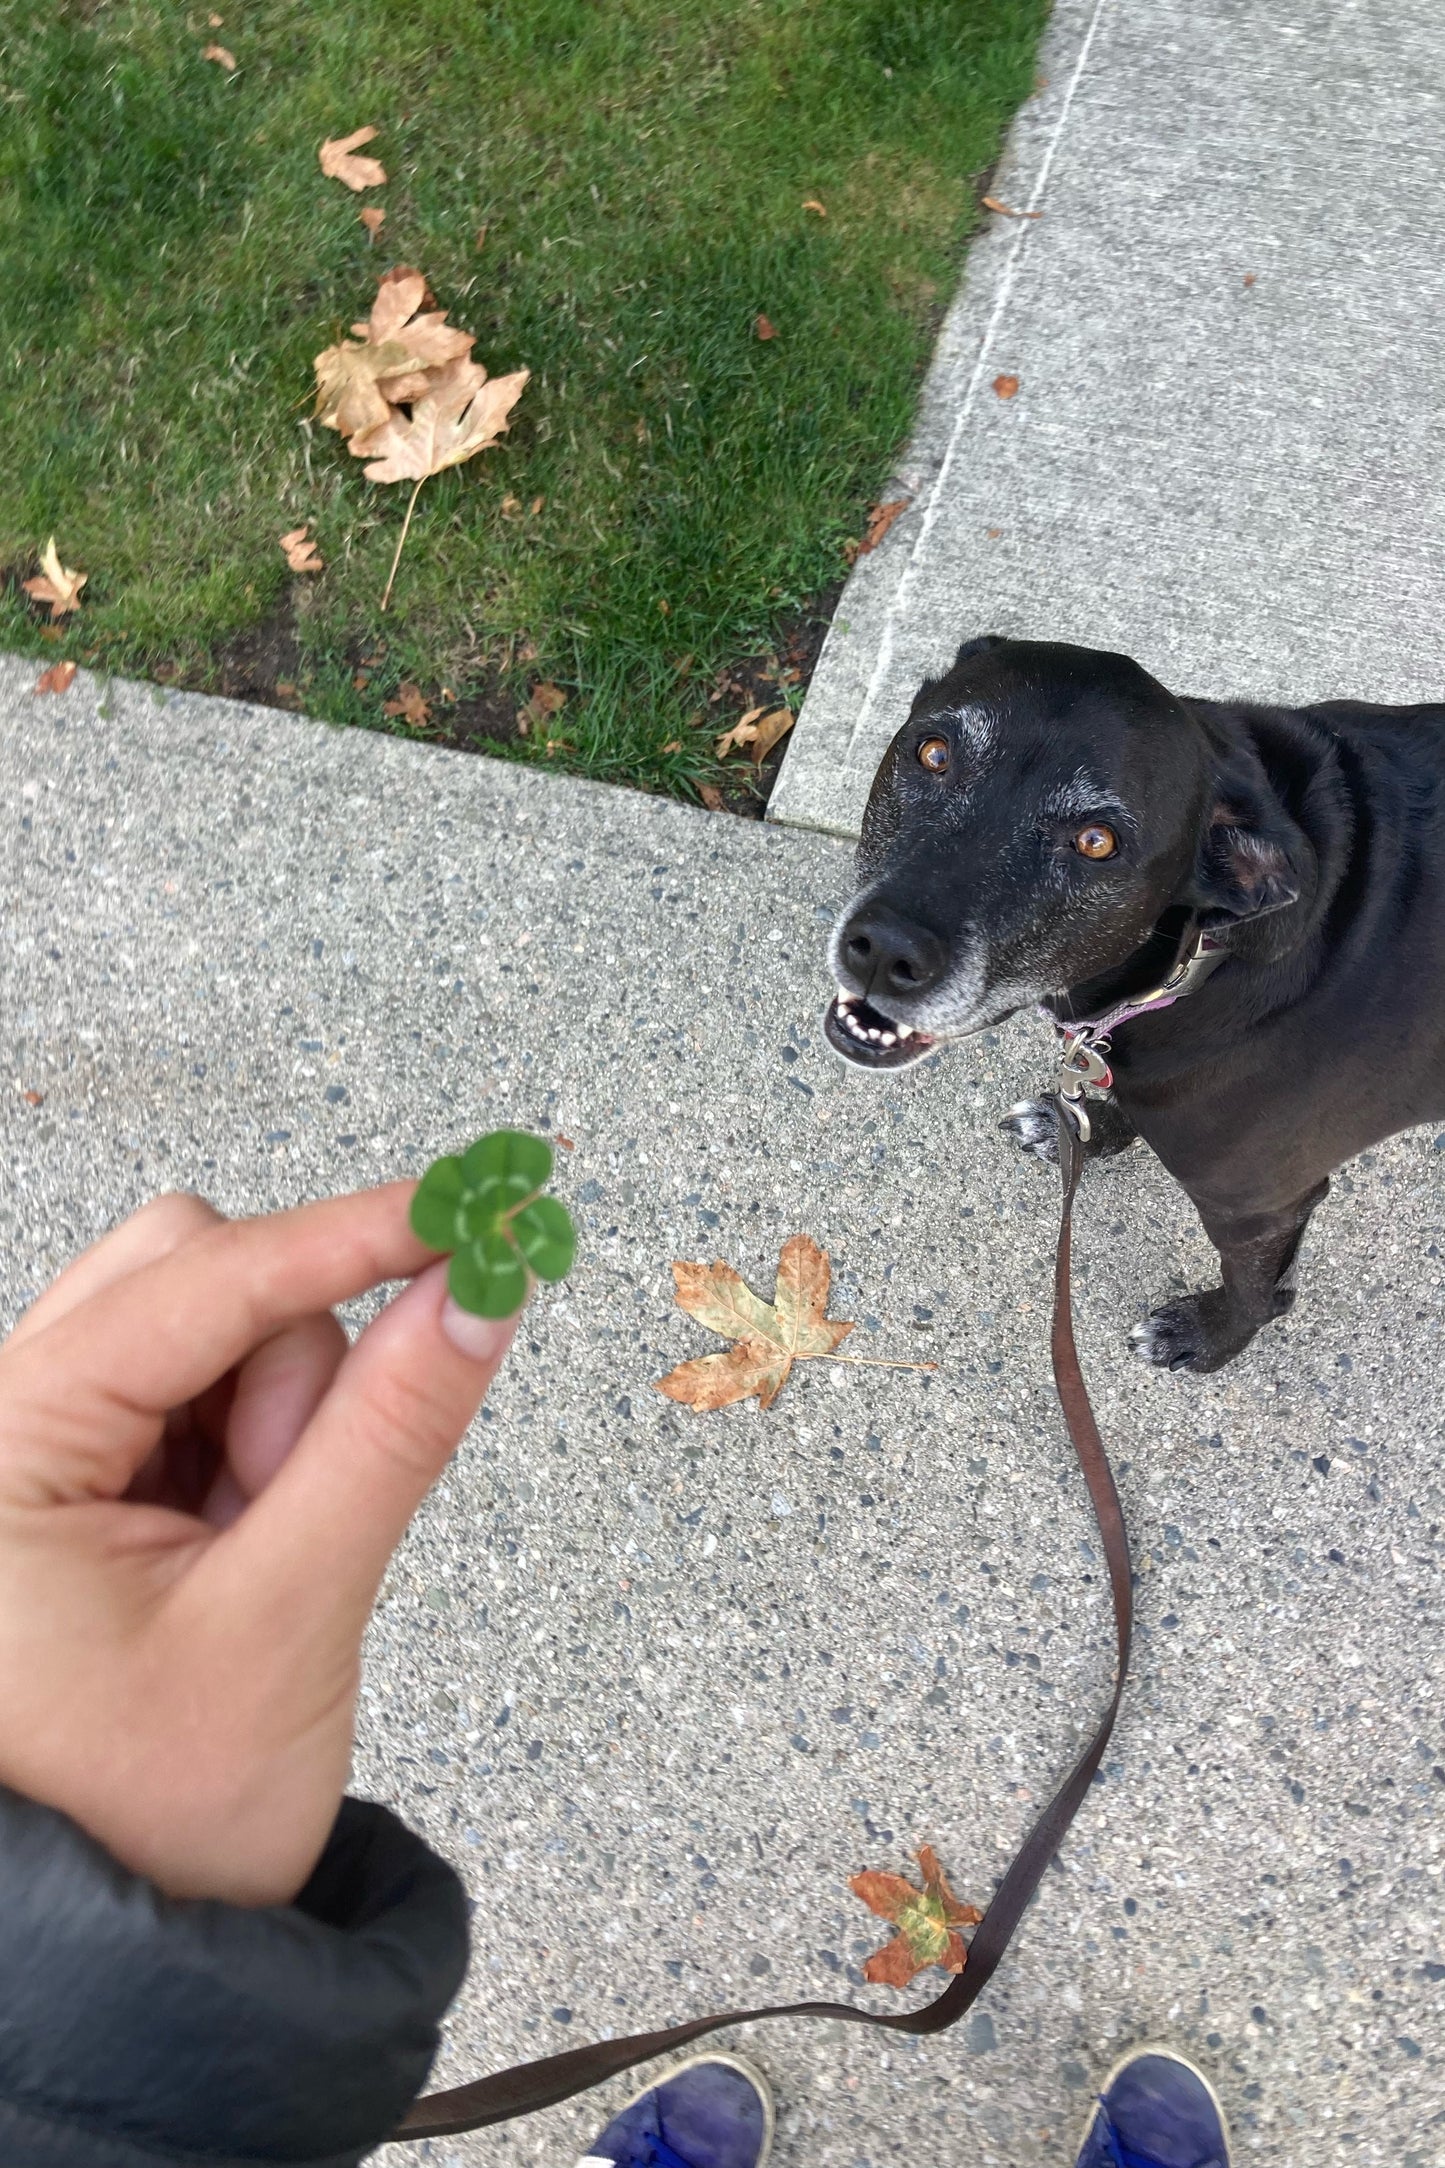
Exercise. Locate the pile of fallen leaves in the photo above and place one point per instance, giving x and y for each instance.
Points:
(406, 395)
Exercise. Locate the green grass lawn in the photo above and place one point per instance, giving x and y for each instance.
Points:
(171, 258)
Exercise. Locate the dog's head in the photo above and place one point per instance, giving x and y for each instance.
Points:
(1036, 817)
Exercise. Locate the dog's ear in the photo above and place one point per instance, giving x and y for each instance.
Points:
(981, 644)
(1253, 859)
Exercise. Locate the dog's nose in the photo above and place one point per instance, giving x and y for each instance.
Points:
(886, 955)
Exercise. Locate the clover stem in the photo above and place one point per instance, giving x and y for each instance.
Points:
(396, 560)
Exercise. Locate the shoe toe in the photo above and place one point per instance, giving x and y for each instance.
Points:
(1156, 2112)
(710, 2114)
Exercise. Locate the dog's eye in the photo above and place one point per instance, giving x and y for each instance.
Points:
(1096, 841)
(933, 754)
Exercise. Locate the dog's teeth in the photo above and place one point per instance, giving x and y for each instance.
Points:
(873, 1032)
(905, 1031)
(888, 1038)
(846, 1001)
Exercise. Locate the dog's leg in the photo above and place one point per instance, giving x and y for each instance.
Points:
(1030, 1125)
(1258, 1254)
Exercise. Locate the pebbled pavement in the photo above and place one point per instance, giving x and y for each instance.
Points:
(659, 1683)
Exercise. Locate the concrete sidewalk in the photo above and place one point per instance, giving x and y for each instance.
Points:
(1226, 456)
(659, 1683)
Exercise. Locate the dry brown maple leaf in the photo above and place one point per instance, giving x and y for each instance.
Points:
(769, 731)
(811, 203)
(1006, 387)
(57, 679)
(405, 308)
(769, 1336)
(409, 703)
(373, 218)
(461, 411)
(404, 347)
(1005, 210)
(880, 519)
(764, 329)
(223, 59)
(339, 161)
(927, 1920)
(301, 551)
(58, 585)
(711, 797)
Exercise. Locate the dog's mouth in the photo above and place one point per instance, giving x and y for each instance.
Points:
(862, 1034)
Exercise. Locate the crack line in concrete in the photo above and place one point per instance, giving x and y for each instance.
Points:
(935, 496)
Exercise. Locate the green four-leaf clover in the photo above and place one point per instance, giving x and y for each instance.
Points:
(484, 1207)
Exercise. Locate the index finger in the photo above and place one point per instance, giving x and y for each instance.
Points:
(152, 1232)
(87, 1393)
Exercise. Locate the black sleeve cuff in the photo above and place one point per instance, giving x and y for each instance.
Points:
(136, 2029)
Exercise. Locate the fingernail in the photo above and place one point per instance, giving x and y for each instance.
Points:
(480, 1339)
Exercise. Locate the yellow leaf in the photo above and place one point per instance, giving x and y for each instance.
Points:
(301, 552)
(60, 586)
(339, 161)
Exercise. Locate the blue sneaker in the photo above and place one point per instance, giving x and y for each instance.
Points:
(713, 2111)
(1155, 2111)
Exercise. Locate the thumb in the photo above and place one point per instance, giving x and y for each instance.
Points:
(326, 1525)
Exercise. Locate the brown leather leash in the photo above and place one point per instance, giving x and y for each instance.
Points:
(526, 2087)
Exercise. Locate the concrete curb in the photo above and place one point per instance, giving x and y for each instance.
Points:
(814, 788)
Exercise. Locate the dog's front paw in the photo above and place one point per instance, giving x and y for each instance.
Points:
(1189, 1334)
(1031, 1126)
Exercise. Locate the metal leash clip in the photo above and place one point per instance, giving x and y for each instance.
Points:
(1080, 1063)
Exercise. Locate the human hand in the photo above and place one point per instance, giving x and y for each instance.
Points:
(201, 1485)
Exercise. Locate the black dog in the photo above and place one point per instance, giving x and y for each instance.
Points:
(1052, 818)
